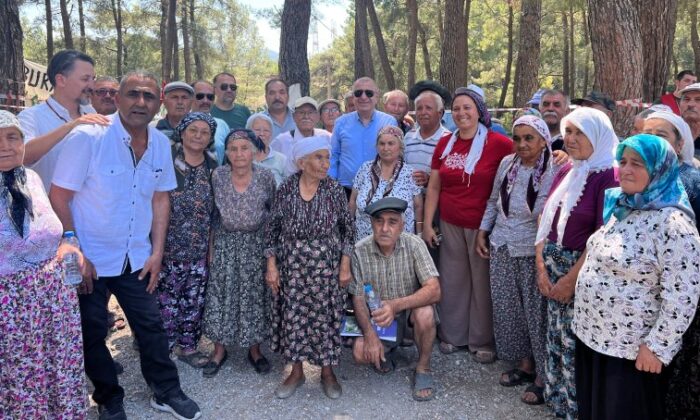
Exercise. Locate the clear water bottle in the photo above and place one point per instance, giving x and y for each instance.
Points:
(71, 267)
(372, 299)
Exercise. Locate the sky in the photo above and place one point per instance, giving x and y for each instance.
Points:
(332, 17)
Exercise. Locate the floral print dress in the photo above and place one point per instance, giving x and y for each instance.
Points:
(309, 238)
(41, 347)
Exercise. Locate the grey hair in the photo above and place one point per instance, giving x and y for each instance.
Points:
(553, 92)
(645, 113)
(430, 94)
(391, 93)
(255, 117)
(139, 74)
(107, 79)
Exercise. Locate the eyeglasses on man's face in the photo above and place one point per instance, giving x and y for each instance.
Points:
(201, 96)
(105, 92)
(226, 86)
(368, 93)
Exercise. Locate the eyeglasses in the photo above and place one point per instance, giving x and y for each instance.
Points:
(201, 96)
(367, 92)
(227, 86)
(105, 92)
(330, 110)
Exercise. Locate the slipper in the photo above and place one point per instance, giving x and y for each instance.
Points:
(261, 366)
(484, 356)
(196, 359)
(211, 368)
(517, 377)
(385, 367)
(447, 348)
(421, 382)
(538, 391)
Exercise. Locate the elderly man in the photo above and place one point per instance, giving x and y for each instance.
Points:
(355, 135)
(597, 100)
(398, 267)
(103, 94)
(111, 187)
(306, 116)
(72, 75)
(395, 103)
(349, 102)
(554, 105)
(225, 106)
(177, 99)
(690, 111)
(682, 80)
(277, 99)
(203, 99)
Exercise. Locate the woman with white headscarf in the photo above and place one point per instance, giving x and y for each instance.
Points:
(573, 211)
(507, 238)
(309, 241)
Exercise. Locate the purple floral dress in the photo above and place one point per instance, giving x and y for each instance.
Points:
(308, 239)
(41, 347)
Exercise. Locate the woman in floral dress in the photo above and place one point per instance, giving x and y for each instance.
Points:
(183, 279)
(41, 347)
(237, 305)
(308, 246)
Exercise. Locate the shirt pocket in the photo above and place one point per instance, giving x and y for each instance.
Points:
(149, 180)
(112, 177)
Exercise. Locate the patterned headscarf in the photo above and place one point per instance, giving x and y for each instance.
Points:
(192, 117)
(541, 166)
(13, 184)
(375, 171)
(664, 189)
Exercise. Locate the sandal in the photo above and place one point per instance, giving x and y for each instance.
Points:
(421, 382)
(211, 368)
(537, 391)
(385, 367)
(515, 377)
(447, 348)
(195, 359)
(484, 356)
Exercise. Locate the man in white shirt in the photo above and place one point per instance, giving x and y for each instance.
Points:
(72, 75)
(111, 187)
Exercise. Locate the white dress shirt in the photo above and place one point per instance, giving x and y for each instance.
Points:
(284, 143)
(112, 206)
(42, 119)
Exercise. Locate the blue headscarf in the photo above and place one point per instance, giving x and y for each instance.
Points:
(664, 189)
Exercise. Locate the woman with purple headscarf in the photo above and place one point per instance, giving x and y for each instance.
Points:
(507, 237)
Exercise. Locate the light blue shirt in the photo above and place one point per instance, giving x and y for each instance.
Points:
(220, 139)
(276, 162)
(278, 128)
(354, 143)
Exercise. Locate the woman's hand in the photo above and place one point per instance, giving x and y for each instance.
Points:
(482, 244)
(429, 236)
(543, 282)
(560, 157)
(647, 360)
(272, 277)
(563, 290)
(345, 272)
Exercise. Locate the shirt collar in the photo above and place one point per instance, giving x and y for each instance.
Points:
(124, 135)
(377, 251)
(371, 118)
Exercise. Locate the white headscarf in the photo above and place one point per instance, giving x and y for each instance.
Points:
(688, 151)
(308, 145)
(598, 128)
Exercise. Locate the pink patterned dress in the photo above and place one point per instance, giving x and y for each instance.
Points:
(41, 349)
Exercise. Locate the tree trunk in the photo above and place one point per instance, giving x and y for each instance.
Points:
(658, 18)
(176, 56)
(587, 63)
(293, 61)
(426, 53)
(199, 66)
(11, 55)
(566, 70)
(81, 23)
(694, 39)
(452, 52)
(117, 14)
(170, 35)
(412, 7)
(509, 60)
(67, 31)
(527, 65)
(49, 31)
(363, 53)
(616, 43)
(186, 53)
(572, 50)
(441, 24)
(381, 47)
(467, 10)
(165, 48)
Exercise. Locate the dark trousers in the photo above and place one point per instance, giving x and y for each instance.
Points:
(142, 312)
(612, 388)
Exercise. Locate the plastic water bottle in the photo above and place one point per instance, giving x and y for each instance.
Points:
(372, 299)
(71, 268)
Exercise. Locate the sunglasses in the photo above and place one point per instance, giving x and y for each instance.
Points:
(201, 96)
(226, 86)
(105, 92)
(367, 92)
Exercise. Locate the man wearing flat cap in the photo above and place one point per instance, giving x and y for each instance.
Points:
(177, 99)
(402, 274)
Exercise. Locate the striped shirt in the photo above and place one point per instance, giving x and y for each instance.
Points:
(419, 151)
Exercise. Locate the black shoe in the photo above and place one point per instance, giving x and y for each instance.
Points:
(177, 404)
(114, 410)
(262, 366)
(119, 368)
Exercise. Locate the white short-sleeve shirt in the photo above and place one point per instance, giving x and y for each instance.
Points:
(40, 120)
(112, 206)
(284, 143)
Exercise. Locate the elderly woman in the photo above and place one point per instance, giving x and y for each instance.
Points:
(273, 160)
(308, 247)
(386, 176)
(462, 173)
(236, 312)
(41, 349)
(638, 288)
(183, 278)
(507, 237)
(573, 211)
(330, 111)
